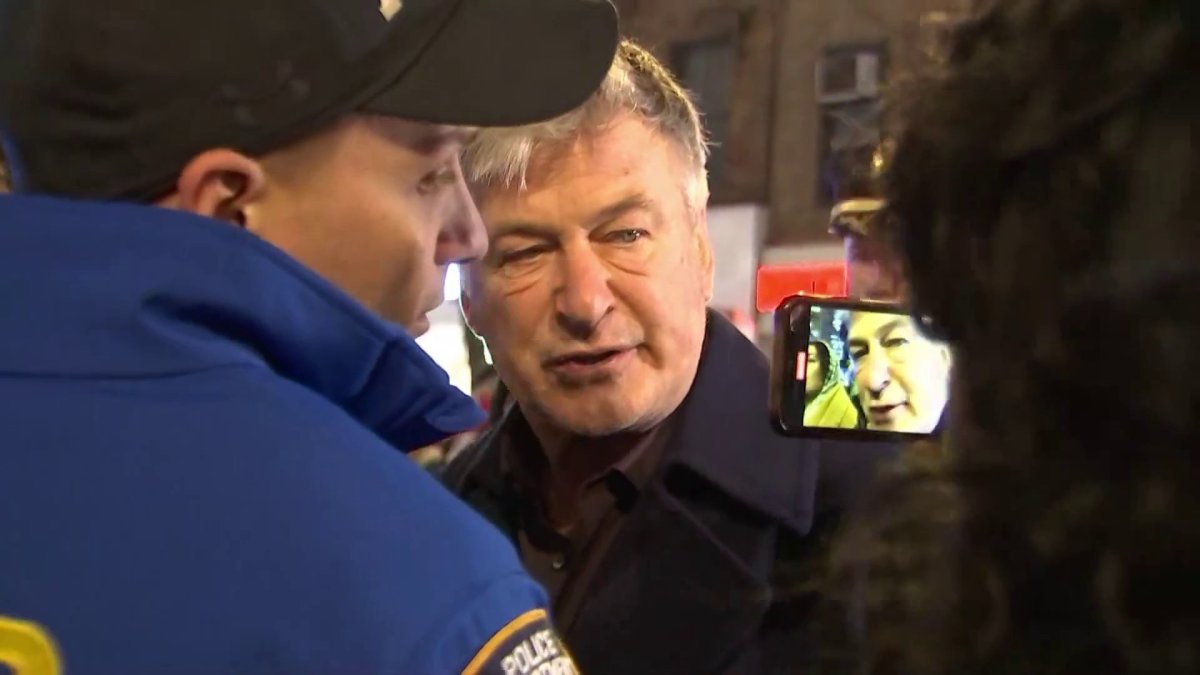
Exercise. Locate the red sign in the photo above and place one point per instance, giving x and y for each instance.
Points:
(776, 282)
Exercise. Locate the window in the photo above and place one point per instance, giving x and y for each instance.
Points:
(848, 81)
(849, 135)
(706, 69)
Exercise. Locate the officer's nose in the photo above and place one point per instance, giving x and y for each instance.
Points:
(462, 237)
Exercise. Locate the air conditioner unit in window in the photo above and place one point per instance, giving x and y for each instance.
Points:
(845, 76)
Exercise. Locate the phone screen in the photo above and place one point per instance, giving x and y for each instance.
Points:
(856, 369)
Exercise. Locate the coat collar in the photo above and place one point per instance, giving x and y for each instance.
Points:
(724, 432)
(686, 587)
(689, 586)
(118, 290)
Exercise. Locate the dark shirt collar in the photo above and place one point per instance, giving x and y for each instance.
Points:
(523, 463)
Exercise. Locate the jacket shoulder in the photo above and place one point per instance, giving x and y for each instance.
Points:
(412, 560)
(243, 496)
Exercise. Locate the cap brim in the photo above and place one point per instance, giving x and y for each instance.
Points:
(506, 63)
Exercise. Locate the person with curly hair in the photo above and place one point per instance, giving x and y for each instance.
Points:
(1046, 183)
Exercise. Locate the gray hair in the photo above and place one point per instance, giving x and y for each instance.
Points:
(637, 83)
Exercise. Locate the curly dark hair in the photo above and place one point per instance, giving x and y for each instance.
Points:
(1046, 188)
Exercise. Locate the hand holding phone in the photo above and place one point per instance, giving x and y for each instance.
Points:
(856, 369)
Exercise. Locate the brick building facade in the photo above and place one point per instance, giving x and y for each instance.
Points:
(754, 66)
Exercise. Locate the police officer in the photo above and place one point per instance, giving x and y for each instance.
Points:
(232, 216)
(858, 218)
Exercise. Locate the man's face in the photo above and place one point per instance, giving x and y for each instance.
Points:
(592, 297)
(378, 207)
(901, 376)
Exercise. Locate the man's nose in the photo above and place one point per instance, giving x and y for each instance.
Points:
(583, 297)
(874, 374)
(463, 237)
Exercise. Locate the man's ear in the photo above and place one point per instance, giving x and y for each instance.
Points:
(220, 184)
(947, 358)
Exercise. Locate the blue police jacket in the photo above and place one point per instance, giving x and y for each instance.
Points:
(199, 467)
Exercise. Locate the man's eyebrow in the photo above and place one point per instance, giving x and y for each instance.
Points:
(885, 330)
(434, 139)
(536, 230)
(521, 228)
(880, 333)
(637, 202)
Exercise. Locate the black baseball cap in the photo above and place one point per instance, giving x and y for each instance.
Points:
(109, 99)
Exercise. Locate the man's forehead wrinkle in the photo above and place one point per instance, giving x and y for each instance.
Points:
(888, 324)
(590, 152)
(635, 201)
(522, 228)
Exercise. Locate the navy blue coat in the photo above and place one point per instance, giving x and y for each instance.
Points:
(707, 574)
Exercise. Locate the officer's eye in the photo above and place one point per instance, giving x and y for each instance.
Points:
(436, 180)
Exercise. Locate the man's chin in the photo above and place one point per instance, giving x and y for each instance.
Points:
(601, 419)
(419, 326)
(909, 425)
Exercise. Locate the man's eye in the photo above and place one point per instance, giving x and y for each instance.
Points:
(624, 236)
(436, 180)
(892, 343)
(520, 255)
(857, 354)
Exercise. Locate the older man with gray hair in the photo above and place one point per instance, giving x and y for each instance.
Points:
(636, 470)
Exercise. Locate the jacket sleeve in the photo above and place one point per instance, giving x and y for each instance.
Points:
(501, 630)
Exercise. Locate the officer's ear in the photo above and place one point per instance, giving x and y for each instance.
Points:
(221, 184)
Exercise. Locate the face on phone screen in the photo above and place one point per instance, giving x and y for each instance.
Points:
(859, 368)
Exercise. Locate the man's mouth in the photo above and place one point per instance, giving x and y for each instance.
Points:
(582, 362)
(884, 415)
(423, 321)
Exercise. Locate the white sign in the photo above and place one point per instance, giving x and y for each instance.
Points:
(737, 232)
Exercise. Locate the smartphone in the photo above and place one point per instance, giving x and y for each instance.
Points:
(856, 369)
